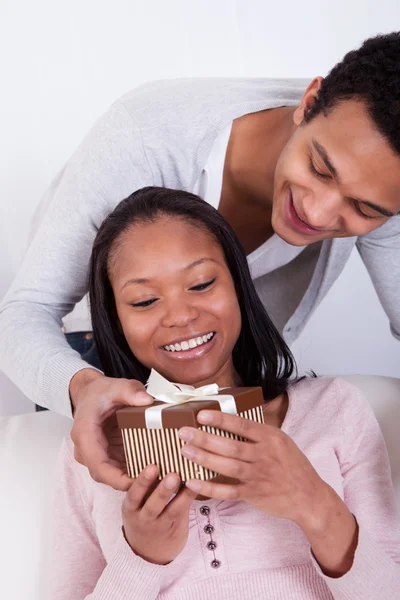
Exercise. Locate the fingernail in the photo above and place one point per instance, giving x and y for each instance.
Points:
(185, 434)
(150, 471)
(193, 485)
(144, 398)
(204, 416)
(188, 451)
(170, 482)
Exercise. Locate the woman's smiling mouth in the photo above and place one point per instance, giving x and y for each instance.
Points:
(189, 343)
(191, 347)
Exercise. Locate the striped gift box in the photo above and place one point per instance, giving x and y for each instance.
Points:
(161, 446)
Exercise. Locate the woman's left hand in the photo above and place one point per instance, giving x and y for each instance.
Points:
(271, 471)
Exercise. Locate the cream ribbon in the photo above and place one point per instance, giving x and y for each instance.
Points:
(178, 393)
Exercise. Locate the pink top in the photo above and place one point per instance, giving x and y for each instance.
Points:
(260, 557)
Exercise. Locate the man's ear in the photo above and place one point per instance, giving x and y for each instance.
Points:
(307, 100)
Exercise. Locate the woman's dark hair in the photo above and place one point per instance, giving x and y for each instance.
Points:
(260, 356)
(370, 74)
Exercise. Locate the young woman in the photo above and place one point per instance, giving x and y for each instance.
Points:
(306, 511)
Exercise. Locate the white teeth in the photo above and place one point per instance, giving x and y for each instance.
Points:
(189, 344)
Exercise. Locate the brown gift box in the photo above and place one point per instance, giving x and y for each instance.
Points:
(162, 447)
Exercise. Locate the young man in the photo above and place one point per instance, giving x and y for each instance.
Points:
(302, 171)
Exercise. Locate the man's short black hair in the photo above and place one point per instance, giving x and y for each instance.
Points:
(370, 74)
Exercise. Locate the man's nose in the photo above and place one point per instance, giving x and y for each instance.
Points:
(179, 312)
(322, 208)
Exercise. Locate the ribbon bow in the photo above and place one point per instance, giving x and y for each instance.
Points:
(178, 393)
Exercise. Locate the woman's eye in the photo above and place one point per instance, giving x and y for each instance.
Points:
(314, 171)
(202, 286)
(144, 303)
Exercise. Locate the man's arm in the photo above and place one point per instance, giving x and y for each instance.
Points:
(107, 167)
(380, 252)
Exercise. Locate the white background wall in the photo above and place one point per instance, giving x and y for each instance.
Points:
(63, 63)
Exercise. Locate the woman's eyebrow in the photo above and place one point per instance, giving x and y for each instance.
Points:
(200, 261)
(143, 280)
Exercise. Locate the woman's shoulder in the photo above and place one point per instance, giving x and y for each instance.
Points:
(326, 388)
(327, 400)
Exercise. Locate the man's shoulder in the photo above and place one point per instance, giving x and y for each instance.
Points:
(390, 229)
(202, 99)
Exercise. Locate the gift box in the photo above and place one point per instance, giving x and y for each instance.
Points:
(150, 433)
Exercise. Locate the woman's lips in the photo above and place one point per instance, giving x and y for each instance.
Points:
(295, 221)
(193, 353)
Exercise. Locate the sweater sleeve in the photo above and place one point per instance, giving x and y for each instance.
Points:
(108, 166)
(380, 251)
(79, 570)
(369, 495)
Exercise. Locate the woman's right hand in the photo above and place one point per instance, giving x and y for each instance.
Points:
(95, 433)
(155, 527)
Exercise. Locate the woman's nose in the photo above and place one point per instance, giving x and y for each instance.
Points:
(179, 312)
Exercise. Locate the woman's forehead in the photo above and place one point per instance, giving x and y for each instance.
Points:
(165, 246)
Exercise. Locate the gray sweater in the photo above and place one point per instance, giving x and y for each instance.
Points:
(158, 134)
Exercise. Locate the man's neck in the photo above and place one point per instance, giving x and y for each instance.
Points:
(255, 144)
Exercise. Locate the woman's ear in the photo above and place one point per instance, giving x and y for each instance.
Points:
(307, 100)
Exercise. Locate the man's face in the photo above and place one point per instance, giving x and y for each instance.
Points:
(336, 177)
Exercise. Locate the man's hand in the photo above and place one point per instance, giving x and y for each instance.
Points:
(97, 439)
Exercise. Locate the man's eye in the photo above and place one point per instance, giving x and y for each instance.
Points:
(202, 286)
(314, 171)
(144, 303)
(362, 214)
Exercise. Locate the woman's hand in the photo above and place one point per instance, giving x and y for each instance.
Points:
(95, 433)
(155, 527)
(271, 471)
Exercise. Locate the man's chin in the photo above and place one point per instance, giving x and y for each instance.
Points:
(291, 237)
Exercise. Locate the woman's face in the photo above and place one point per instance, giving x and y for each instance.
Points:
(176, 301)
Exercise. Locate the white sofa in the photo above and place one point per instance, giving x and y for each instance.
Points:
(28, 452)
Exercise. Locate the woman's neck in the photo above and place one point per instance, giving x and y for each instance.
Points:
(226, 379)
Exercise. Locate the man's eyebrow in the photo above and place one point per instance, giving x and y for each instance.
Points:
(332, 169)
(143, 280)
(384, 211)
(328, 163)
